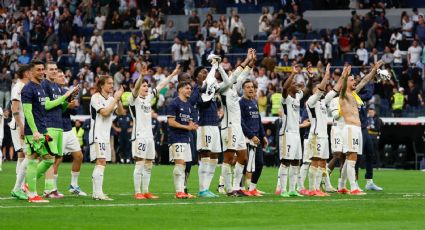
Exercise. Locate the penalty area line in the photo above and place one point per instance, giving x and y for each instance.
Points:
(194, 203)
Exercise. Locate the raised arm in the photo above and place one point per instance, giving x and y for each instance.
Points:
(167, 80)
(295, 70)
(369, 76)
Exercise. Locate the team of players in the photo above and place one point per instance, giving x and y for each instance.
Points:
(223, 121)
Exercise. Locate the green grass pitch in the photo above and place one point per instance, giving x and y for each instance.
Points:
(400, 206)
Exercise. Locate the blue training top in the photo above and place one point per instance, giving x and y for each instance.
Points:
(54, 116)
(33, 93)
(182, 112)
(251, 119)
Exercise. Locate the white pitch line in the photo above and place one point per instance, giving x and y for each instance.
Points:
(192, 203)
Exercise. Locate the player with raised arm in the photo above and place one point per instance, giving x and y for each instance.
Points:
(318, 136)
(143, 144)
(35, 102)
(254, 132)
(17, 131)
(232, 135)
(102, 107)
(290, 147)
(208, 135)
(70, 144)
(180, 125)
(349, 103)
(54, 124)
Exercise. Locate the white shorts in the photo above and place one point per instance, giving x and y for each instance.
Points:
(352, 138)
(100, 150)
(290, 147)
(233, 138)
(307, 151)
(336, 139)
(70, 143)
(208, 139)
(18, 143)
(180, 151)
(319, 147)
(144, 148)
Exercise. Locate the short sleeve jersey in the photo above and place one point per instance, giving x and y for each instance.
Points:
(141, 112)
(54, 116)
(16, 95)
(34, 94)
(181, 111)
(100, 126)
(291, 108)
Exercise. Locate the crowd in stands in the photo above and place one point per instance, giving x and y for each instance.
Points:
(57, 31)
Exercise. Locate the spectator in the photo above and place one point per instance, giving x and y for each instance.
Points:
(208, 51)
(285, 47)
(226, 64)
(214, 31)
(186, 55)
(371, 36)
(362, 55)
(264, 25)
(176, 53)
(396, 36)
(414, 53)
(236, 22)
(397, 101)
(157, 31)
(5, 86)
(387, 57)
(170, 31)
(311, 55)
(96, 42)
(414, 96)
(415, 15)
(407, 26)
(276, 101)
(225, 40)
(194, 23)
(301, 25)
(189, 6)
(299, 50)
(100, 21)
(268, 62)
(328, 50)
(420, 29)
(262, 80)
(219, 50)
(86, 74)
(374, 56)
(236, 39)
(262, 103)
(269, 49)
(24, 58)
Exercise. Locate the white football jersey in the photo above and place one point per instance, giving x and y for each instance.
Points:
(337, 119)
(141, 112)
(230, 100)
(100, 126)
(291, 108)
(318, 114)
(16, 96)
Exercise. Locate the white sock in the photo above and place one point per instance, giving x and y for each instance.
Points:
(137, 176)
(327, 180)
(74, 178)
(343, 180)
(283, 177)
(278, 184)
(293, 176)
(20, 176)
(202, 172)
(351, 174)
(18, 164)
(312, 178)
(237, 176)
(369, 181)
(302, 175)
(252, 186)
(178, 174)
(226, 171)
(146, 177)
(247, 183)
(221, 178)
(212, 164)
(1, 157)
(98, 180)
(55, 182)
(319, 176)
